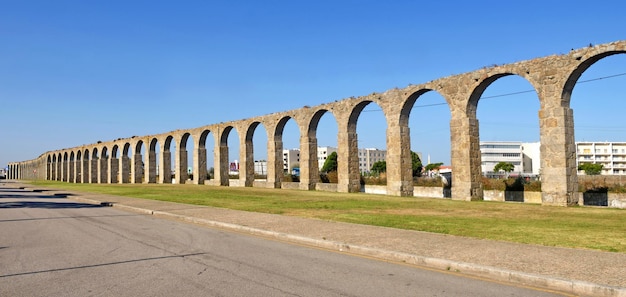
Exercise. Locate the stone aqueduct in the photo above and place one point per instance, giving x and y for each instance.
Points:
(553, 78)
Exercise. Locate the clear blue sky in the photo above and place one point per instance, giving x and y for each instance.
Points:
(76, 72)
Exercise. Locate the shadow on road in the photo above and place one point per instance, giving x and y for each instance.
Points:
(43, 204)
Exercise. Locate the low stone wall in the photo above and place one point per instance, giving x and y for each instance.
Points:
(428, 192)
(261, 183)
(327, 187)
(512, 196)
(613, 200)
(235, 183)
(290, 185)
(371, 189)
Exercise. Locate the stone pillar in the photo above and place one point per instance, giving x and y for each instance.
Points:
(559, 175)
(137, 169)
(114, 165)
(399, 162)
(246, 162)
(63, 170)
(275, 162)
(85, 170)
(151, 167)
(309, 168)
(124, 169)
(72, 170)
(104, 172)
(348, 163)
(93, 171)
(221, 168)
(466, 161)
(181, 166)
(165, 170)
(199, 165)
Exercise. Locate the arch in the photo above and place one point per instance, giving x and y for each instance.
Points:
(86, 177)
(348, 151)
(597, 108)
(103, 172)
(66, 167)
(261, 153)
(153, 157)
(223, 170)
(114, 165)
(573, 77)
(137, 167)
(165, 173)
(125, 164)
(311, 143)
(72, 165)
(182, 159)
(49, 167)
(93, 166)
(421, 120)
(79, 166)
(204, 163)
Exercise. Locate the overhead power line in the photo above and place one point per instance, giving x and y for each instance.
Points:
(510, 94)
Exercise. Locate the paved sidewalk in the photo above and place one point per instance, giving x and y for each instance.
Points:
(573, 271)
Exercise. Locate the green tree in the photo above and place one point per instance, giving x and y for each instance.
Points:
(591, 169)
(504, 166)
(331, 163)
(379, 167)
(416, 164)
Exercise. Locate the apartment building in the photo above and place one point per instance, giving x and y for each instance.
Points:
(524, 156)
(322, 154)
(369, 156)
(612, 155)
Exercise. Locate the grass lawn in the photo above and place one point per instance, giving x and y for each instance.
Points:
(577, 227)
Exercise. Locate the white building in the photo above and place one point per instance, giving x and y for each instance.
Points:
(524, 156)
(260, 167)
(612, 155)
(369, 156)
(322, 154)
(290, 158)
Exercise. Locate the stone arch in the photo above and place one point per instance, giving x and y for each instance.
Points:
(311, 143)
(49, 167)
(66, 167)
(182, 158)
(103, 165)
(93, 166)
(165, 171)
(246, 154)
(85, 166)
(114, 165)
(222, 171)
(573, 77)
(72, 166)
(348, 150)
(125, 164)
(79, 166)
(399, 163)
(202, 172)
(151, 165)
(137, 167)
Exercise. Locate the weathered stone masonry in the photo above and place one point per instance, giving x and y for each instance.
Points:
(553, 78)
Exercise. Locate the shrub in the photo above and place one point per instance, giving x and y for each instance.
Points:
(427, 182)
(379, 180)
(511, 184)
(329, 177)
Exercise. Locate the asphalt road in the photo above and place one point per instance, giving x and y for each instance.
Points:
(53, 246)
